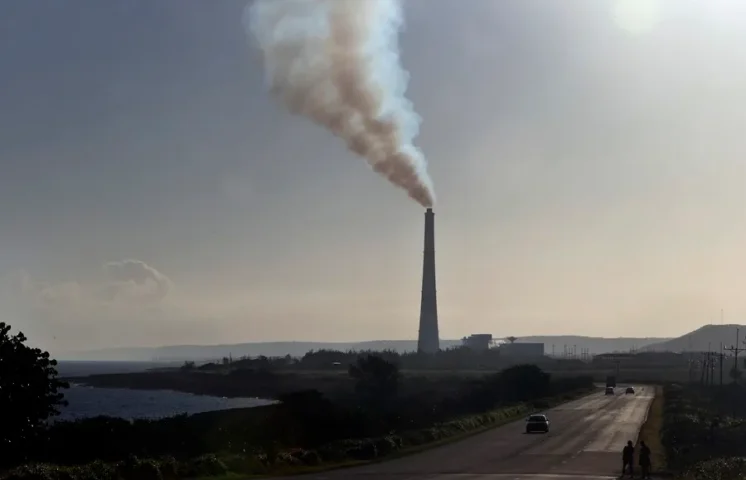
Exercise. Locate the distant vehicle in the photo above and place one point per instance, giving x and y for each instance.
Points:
(630, 390)
(611, 381)
(609, 390)
(537, 423)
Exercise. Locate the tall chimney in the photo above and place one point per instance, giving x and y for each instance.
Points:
(429, 340)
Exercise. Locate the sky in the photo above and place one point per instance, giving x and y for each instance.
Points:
(588, 160)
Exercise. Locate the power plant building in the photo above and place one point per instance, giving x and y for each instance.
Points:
(478, 341)
(428, 340)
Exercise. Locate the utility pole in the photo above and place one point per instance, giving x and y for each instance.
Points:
(704, 368)
(690, 363)
(712, 368)
(721, 363)
(735, 349)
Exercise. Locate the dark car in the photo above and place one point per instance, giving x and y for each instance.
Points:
(630, 390)
(609, 390)
(537, 423)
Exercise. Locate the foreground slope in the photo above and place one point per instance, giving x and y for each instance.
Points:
(585, 441)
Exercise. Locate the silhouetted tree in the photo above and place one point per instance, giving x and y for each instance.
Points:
(376, 380)
(306, 418)
(524, 382)
(29, 392)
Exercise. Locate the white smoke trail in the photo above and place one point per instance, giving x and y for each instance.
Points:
(337, 63)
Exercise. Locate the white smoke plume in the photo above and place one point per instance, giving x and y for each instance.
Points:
(337, 63)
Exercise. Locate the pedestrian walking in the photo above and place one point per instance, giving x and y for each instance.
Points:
(644, 460)
(628, 459)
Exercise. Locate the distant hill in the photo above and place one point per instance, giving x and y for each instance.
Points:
(269, 349)
(212, 352)
(709, 336)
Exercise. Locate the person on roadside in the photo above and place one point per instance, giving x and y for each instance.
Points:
(644, 459)
(628, 458)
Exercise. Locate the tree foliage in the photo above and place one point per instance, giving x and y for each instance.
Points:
(30, 392)
(376, 380)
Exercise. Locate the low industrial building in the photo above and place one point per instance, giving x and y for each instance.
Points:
(478, 341)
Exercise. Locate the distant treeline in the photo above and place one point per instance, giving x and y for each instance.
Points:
(456, 358)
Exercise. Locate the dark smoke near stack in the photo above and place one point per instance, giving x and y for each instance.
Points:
(336, 62)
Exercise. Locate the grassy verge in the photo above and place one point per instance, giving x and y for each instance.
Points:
(650, 432)
(703, 431)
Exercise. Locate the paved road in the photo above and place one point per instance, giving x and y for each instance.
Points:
(585, 442)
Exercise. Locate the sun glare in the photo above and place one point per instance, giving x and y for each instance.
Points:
(637, 16)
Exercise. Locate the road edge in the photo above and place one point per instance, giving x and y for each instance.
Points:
(650, 432)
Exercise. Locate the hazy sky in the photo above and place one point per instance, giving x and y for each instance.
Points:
(589, 164)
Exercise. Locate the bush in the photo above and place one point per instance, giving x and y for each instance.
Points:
(246, 464)
(93, 471)
(203, 466)
(309, 457)
(733, 468)
(136, 469)
(703, 430)
(388, 444)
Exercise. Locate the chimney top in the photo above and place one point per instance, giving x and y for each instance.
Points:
(429, 210)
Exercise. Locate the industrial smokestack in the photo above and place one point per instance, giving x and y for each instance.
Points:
(429, 340)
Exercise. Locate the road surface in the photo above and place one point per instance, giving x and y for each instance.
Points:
(585, 442)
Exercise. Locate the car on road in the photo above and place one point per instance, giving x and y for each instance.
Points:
(630, 390)
(609, 390)
(537, 423)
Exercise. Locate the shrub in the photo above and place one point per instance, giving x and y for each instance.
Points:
(93, 471)
(309, 457)
(733, 468)
(136, 469)
(203, 466)
(246, 464)
(363, 450)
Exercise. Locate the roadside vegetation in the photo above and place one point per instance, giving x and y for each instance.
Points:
(703, 431)
(376, 417)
